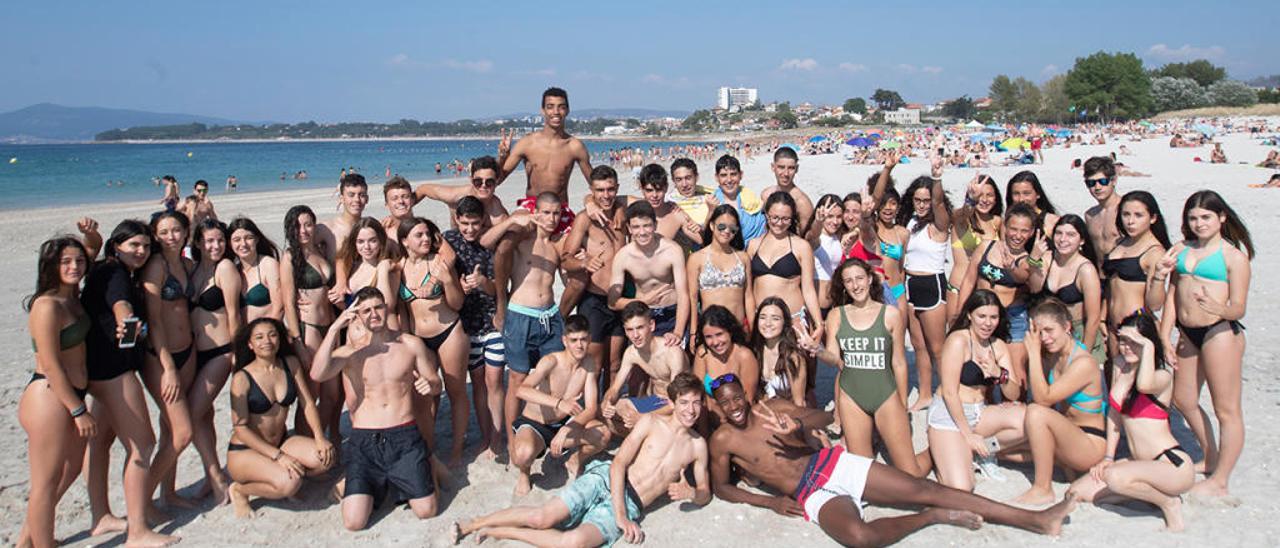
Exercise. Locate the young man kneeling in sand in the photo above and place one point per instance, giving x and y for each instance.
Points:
(384, 452)
(553, 419)
(828, 485)
(602, 505)
(661, 363)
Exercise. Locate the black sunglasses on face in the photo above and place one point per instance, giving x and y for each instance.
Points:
(490, 182)
(1095, 182)
(731, 229)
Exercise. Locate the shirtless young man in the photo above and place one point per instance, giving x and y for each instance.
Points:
(385, 451)
(354, 196)
(660, 362)
(553, 418)
(598, 243)
(198, 206)
(657, 267)
(771, 442)
(398, 196)
(533, 327)
(484, 181)
(673, 223)
(1100, 178)
(172, 193)
(608, 498)
(785, 165)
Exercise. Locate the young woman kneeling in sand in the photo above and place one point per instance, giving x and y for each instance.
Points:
(262, 460)
(1160, 470)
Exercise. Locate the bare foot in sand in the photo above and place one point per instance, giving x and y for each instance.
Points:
(156, 516)
(524, 484)
(218, 487)
(481, 536)
(174, 500)
(1035, 497)
(239, 501)
(1173, 515)
(1053, 516)
(958, 518)
(150, 539)
(108, 524)
(1209, 489)
(455, 533)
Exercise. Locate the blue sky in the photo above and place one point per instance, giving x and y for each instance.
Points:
(346, 61)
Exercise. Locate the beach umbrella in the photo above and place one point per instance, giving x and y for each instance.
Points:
(890, 144)
(1015, 143)
(974, 125)
(874, 133)
(1147, 124)
(861, 142)
(817, 139)
(1205, 129)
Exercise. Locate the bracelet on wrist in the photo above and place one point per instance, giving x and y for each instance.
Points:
(1109, 458)
(77, 412)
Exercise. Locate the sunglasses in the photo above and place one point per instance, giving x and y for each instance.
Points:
(1095, 182)
(731, 229)
(202, 190)
(490, 182)
(722, 380)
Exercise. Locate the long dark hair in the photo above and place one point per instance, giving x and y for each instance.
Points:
(721, 210)
(1027, 176)
(347, 253)
(175, 215)
(127, 229)
(978, 299)
(433, 233)
(197, 238)
(789, 356)
(297, 256)
(1158, 227)
(719, 316)
(839, 296)
(1086, 243)
(245, 356)
(786, 200)
(1145, 322)
(852, 196)
(966, 218)
(48, 279)
(264, 247)
(1233, 229)
(905, 214)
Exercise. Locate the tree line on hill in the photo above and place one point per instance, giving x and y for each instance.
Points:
(356, 130)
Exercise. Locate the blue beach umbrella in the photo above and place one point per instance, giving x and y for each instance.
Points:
(817, 139)
(861, 142)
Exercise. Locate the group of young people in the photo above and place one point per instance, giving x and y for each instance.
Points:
(684, 326)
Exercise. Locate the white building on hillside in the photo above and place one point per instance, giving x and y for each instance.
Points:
(902, 116)
(736, 97)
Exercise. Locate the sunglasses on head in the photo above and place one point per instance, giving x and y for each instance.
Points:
(1095, 182)
(723, 380)
(490, 182)
(731, 229)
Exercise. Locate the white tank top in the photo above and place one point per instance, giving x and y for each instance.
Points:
(923, 253)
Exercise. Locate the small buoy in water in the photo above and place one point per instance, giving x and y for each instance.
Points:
(188, 154)
(13, 160)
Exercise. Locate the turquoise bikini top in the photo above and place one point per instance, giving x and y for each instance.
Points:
(1212, 267)
(1080, 397)
(892, 251)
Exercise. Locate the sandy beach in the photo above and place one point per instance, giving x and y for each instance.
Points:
(486, 486)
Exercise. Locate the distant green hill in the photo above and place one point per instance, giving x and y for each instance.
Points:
(49, 122)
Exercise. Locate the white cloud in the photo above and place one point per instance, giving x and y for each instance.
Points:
(931, 69)
(1187, 52)
(853, 67)
(1050, 70)
(478, 66)
(906, 68)
(799, 64)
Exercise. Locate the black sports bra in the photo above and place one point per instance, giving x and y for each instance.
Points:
(258, 401)
(787, 266)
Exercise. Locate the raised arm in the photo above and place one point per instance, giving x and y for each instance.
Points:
(329, 362)
(938, 197)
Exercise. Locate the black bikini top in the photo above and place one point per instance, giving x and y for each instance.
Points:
(971, 374)
(257, 399)
(211, 299)
(1068, 294)
(1128, 269)
(787, 266)
(997, 275)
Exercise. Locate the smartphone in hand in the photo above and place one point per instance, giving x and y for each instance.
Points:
(131, 329)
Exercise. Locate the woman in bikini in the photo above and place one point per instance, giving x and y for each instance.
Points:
(889, 237)
(928, 225)
(871, 386)
(1002, 268)
(1025, 188)
(782, 262)
(1126, 269)
(168, 371)
(1209, 273)
(782, 364)
(113, 300)
(366, 259)
(718, 273)
(975, 359)
(431, 295)
(263, 459)
(722, 349)
(976, 222)
(216, 316)
(1065, 424)
(1069, 275)
(305, 278)
(53, 407)
(1158, 470)
(256, 257)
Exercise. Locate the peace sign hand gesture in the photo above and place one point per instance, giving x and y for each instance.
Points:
(504, 144)
(806, 339)
(779, 424)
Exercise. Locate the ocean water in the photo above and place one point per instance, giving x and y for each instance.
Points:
(59, 175)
